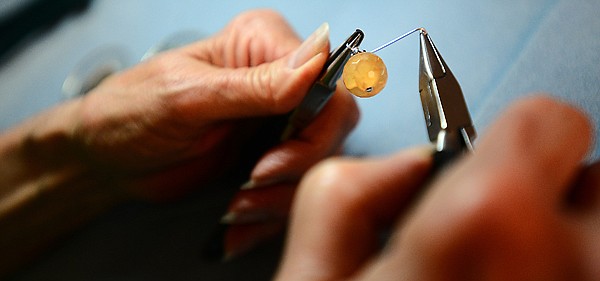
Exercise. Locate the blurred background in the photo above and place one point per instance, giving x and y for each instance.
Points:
(498, 50)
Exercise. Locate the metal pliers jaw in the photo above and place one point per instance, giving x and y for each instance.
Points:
(332, 70)
(446, 114)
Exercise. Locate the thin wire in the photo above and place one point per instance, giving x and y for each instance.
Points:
(399, 38)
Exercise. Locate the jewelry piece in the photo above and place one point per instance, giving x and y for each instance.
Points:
(365, 73)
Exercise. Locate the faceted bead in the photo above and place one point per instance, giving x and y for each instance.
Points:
(365, 75)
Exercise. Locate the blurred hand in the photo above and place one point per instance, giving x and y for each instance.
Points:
(181, 118)
(522, 207)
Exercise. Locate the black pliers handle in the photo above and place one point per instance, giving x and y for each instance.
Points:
(324, 87)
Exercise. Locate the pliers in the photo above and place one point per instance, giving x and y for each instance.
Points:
(324, 87)
(446, 114)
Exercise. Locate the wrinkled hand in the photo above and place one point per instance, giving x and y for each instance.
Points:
(522, 207)
(181, 118)
(165, 126)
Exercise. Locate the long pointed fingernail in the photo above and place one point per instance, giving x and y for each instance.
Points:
(260, 205)
(312, 46)
(250, 184)
(249, 216)
(425, 150)
(253, 183)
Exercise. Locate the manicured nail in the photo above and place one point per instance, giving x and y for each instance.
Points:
(228, 218)
(260, 205)
(248, 185)
(252, 183)
(249, 216)
(312, 46)
(423, 151)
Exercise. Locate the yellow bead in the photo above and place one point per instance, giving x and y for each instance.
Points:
(365, 75)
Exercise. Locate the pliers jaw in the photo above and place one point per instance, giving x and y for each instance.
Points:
(446, 114)
(332, 70)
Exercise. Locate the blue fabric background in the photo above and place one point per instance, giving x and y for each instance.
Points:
(498, 50)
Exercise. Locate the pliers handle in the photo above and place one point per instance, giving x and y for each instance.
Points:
(324, 87)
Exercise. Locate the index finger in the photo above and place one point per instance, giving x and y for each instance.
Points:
(252, 38)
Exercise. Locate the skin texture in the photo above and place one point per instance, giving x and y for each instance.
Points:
(191, 109)
(516, 209)
(168, 125)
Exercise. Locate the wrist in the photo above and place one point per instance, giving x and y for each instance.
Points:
(39, 149)
(46, 186)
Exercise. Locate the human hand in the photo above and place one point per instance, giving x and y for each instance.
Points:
(182, 117)
(172, 123)
(522, 207)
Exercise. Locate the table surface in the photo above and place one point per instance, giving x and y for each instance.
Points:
(498, 50)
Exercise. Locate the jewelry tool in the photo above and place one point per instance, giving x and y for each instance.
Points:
(446, 114)
(324, 87)
(312, 103)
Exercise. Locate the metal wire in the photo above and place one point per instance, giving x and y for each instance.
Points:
(422, 30)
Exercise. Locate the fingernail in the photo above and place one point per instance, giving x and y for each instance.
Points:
(260, 205)
(252, 183)
(421, 153)
(248, 185)
(313, 45)
(249, 216)
(228, 218)
(424, 151)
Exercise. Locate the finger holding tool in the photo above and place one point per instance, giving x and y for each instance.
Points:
(324, 87)
(260, 213)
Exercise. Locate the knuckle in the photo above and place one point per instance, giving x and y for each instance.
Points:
(488, 217)
(279, 97)
(491, 203)
(267, 92)
(528, 122)
(255, 18)
(329, 182)
(326, 173)
(458, 218)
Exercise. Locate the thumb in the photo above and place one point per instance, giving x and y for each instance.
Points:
(269, 88)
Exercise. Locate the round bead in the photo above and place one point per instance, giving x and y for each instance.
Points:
(364, 75)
